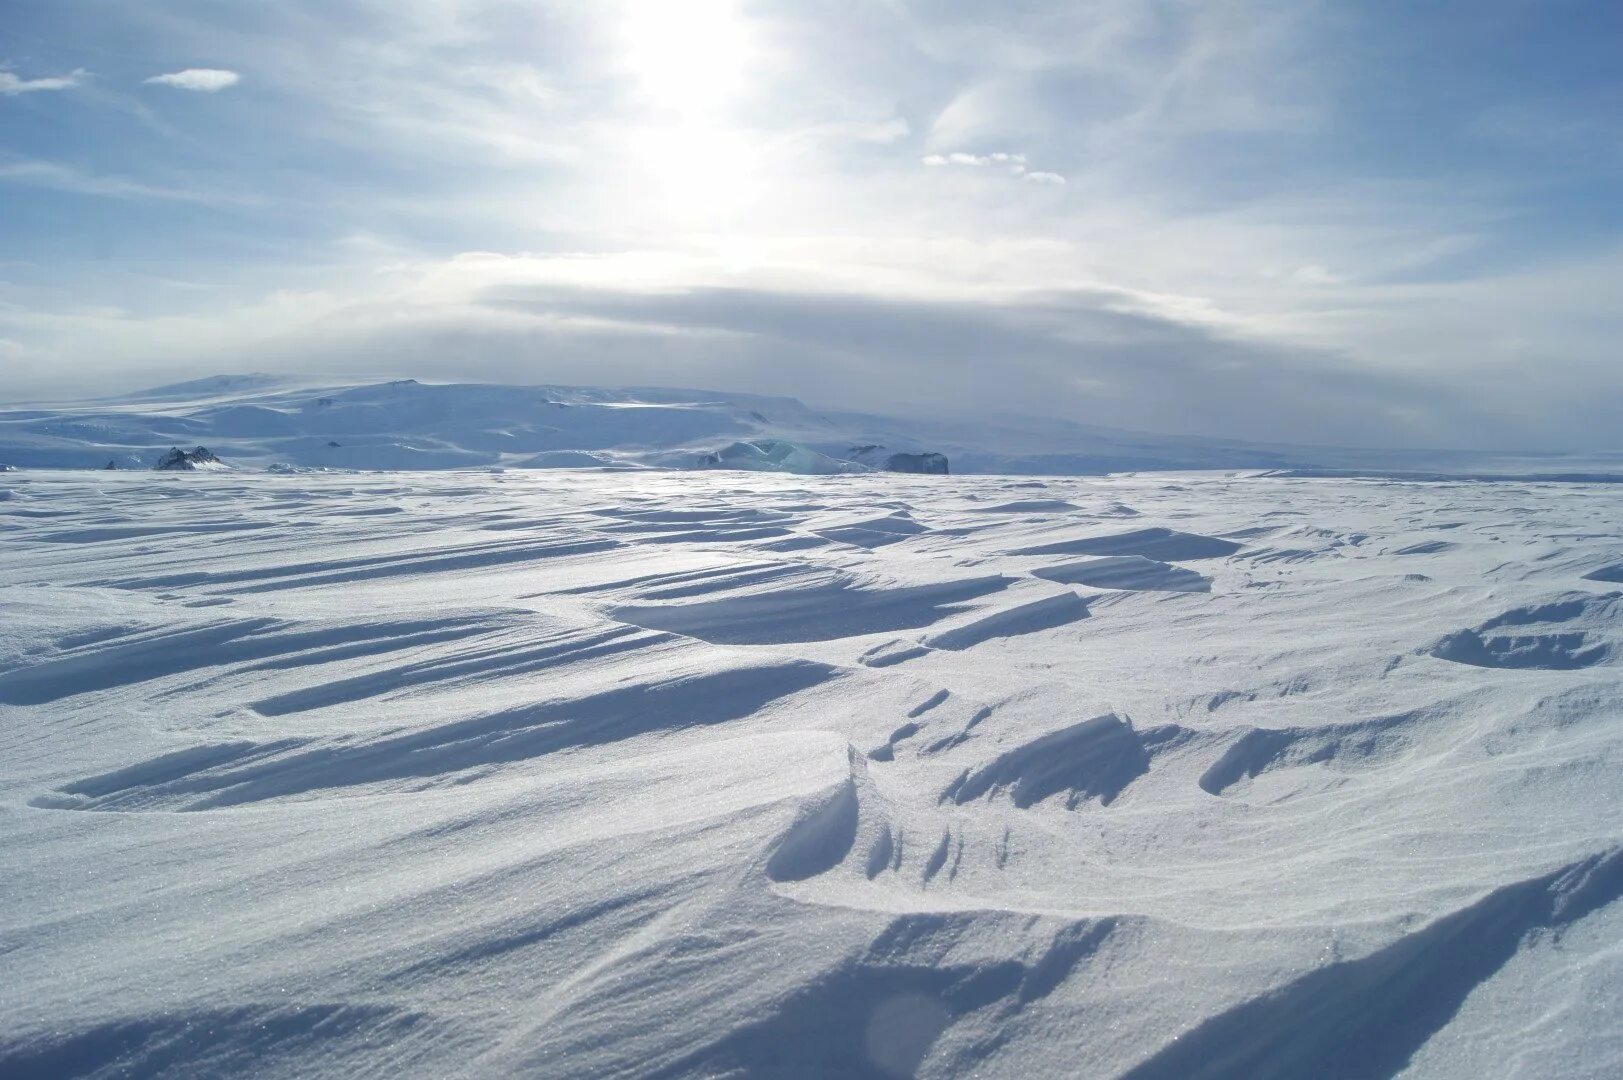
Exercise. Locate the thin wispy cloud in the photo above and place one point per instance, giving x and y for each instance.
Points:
(11, 83)
(1014, 164)
(201, 80)
(67, 178)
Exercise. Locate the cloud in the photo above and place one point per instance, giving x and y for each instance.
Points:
(48, 174)
(1099, 355)
(1234, 164)
(11, 84)
(1014, 163)
(977, 160)
(202, 80)
(1092, 355)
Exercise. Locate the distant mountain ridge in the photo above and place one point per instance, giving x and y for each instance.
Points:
(255, 421)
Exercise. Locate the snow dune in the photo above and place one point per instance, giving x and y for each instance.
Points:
(614, 772)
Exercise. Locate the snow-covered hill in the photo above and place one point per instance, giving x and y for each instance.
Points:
(591, 773)
(257, 421)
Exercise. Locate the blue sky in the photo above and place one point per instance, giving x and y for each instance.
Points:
(1373, 222)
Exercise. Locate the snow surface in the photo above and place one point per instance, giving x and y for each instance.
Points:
(592, 773)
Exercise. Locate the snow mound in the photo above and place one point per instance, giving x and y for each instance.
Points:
(1571, 631)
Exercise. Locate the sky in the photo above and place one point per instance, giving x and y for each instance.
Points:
(1364, 222)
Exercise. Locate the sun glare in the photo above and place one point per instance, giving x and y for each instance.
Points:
(689, 57)
(690, 61)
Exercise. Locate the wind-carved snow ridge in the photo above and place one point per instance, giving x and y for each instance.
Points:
(1093, 759)
(1365, 1018)
(817, 607)
(828, 827)
(620, 771)
(1130, 572)
(236, 773)
(1257, 751)
(1146, 544)
(1570, 631)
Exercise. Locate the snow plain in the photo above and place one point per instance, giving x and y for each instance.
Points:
(647, 773)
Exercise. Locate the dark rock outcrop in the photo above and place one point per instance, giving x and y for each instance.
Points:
(178, 460)
(881, 457)
(926, 461)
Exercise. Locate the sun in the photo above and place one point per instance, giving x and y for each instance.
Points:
(688, 57)
(691, 63)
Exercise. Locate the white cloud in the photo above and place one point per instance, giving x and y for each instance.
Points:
(1015, 163)
(11, 84)
(1000, 157)
(203, 80)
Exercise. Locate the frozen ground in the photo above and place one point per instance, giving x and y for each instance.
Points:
(596, 773)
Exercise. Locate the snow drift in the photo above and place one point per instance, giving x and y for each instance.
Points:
(582, 772)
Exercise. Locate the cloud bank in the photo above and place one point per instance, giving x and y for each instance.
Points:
(201, 80)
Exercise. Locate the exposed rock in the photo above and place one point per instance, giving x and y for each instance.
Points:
(926, 461)
(178, 460)
(881, 457)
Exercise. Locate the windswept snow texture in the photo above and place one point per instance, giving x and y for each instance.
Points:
(1127, 572)
(691, 774)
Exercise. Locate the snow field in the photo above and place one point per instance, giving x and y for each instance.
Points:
(688, 774)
